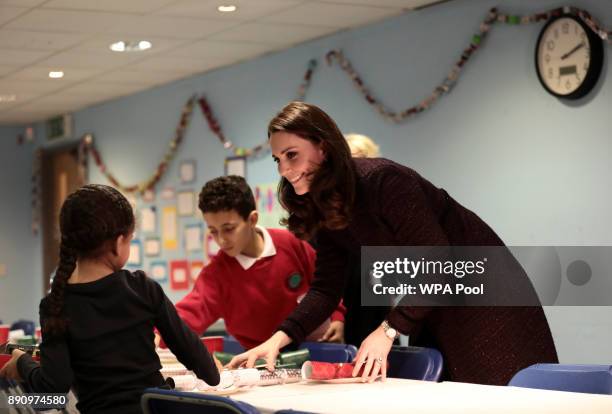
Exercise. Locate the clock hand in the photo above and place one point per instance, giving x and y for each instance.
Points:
(571, 52)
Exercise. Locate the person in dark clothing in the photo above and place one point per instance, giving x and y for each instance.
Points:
(349, 202)
(98, 320)
(360, 321)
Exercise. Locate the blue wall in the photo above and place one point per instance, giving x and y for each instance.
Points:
(535, 168)
(20, 250)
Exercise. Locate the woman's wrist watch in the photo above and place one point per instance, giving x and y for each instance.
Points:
(391, 332)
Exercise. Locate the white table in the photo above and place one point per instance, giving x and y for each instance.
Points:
(408, 396)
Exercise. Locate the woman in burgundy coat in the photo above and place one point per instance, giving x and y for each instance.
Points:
(345, 203)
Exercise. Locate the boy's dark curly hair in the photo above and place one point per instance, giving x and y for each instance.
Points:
(225, 194)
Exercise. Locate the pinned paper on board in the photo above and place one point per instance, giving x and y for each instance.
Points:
(148, 196)
(152, 246)
(270, 210)
(196, 268)
(169, 230)
(187, 171)
(193, 237)
(211, 248)
(135, 258)
(235, 166)
(148, 218)
(179, 275)
(158, 270)
(185, 203)
(168, 193)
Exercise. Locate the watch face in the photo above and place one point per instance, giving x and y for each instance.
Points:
(391, 333)
(568, 59)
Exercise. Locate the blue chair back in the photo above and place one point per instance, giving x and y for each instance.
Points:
(329, 352)
(159, 401)
(592, 379)
(232, 346)
(27, 326)
(411, 362)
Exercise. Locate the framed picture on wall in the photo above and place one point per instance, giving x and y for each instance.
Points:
(179, 275)
(135, 258)
(235, 166)
(148, 196)
(152, 246)
(185, 203)
(187, 171)
(148, 219)
(168, 193)
(211, 247)
(194, 237)
(158, 270)
(196, 268)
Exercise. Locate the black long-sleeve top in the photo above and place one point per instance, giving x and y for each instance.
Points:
(108, 354)
(394, 205)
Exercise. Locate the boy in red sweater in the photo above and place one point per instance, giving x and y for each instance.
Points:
(259, 275)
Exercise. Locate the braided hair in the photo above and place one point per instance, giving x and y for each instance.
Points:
(91, 219)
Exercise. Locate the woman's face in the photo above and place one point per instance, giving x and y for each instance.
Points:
(297, 158)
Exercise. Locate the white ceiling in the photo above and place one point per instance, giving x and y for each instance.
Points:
(189, 37)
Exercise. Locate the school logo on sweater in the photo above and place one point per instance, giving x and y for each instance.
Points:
(294, 281)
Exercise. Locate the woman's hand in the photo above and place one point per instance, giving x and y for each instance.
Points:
(335, 333)
(268, 350)
(373, 353)
(9, 370)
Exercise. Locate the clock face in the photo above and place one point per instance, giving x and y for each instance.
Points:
(564, 58)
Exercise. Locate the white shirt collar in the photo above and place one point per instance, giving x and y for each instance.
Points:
(269, 250)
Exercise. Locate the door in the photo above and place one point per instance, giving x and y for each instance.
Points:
(60, 176)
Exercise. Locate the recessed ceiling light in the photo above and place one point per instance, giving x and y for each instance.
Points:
(56, 74)
(131, 46)
(144, 45)
(118, 47)
(227, 8)
(8, 98)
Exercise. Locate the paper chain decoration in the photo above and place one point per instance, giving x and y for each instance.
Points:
(215, 128)
(88, 146)
(442, 89)
(451, 79)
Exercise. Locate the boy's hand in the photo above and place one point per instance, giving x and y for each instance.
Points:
(10, 369)
(335, 333)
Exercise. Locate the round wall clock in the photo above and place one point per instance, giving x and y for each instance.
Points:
(568, 57)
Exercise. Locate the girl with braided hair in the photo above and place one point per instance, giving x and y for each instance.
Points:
(97, 321)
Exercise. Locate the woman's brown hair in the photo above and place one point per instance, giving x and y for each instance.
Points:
(330, 198)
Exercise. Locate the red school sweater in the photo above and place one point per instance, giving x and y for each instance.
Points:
(253, 302)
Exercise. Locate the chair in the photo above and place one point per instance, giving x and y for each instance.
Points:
(232, 346)
(591, 379)
(159, 401)
(329, 352)
(411, 362)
